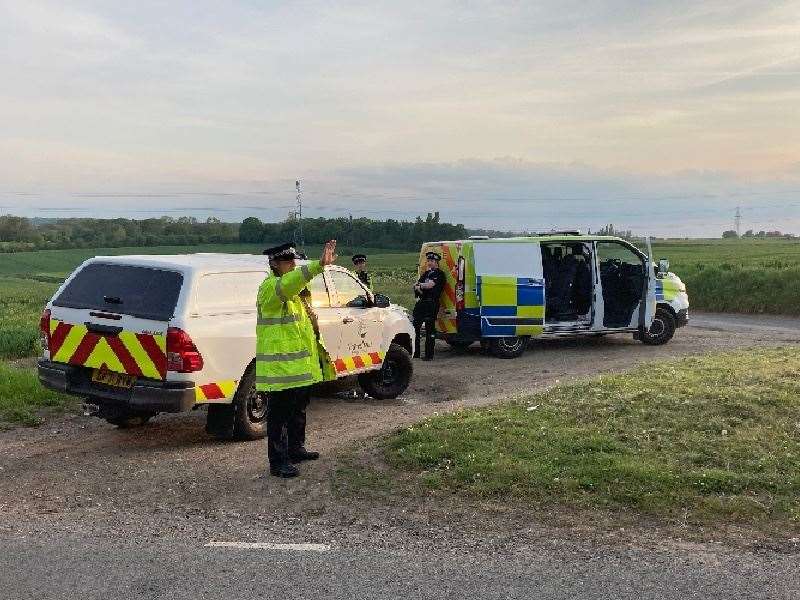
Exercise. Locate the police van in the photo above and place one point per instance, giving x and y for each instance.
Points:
(140, 335)
(504, 291)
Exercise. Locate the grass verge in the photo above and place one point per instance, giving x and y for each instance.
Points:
(709, 438)
(22, 397)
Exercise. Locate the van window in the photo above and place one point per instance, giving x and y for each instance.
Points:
(616, 252)
(517, 259)
(228, 292)
(347, 288)
(141, 292)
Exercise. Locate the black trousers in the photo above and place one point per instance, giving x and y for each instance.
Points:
(286, 423)
(425, 314)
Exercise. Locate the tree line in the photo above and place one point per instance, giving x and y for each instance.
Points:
(21, 234)
(730, 233)
(361, 232)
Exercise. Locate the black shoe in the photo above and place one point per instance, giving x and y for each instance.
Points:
(302, 454)
(428, 358)
(284, 471)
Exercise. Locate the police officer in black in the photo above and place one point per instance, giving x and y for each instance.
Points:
(428, 290)
(360, 263)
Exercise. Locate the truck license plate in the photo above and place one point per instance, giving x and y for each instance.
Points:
(111, 378)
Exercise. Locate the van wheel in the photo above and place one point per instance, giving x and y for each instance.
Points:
(250, 408)
(392, 378)
(662, 329)
(508, 347)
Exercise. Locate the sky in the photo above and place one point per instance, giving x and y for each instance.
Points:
(663, 117)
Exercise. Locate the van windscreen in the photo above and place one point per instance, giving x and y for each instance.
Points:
(137, 291)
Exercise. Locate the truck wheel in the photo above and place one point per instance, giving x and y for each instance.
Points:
(662, 329)
(392, 378)
(250, 409)
(508, 347)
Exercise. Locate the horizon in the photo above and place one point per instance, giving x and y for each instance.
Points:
(472, 230)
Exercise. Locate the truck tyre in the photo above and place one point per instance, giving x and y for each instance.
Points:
(250, 409)
(392, 378)
(662, 329)
(508, 347)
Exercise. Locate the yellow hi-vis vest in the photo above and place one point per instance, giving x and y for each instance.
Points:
(288, 354)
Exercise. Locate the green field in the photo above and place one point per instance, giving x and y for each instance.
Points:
(22, 397)
(748, 276)
(699, 438)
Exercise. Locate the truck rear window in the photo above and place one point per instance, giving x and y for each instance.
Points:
(137, 291)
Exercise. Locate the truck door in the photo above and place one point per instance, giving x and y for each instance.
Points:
(511, 289)
(358, 347)
(328, 320)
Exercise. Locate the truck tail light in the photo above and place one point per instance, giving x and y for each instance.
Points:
(460, 285)
(44, 329)
(182, 354)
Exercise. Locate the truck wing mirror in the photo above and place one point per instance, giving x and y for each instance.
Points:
(358, 302)
(382, 301)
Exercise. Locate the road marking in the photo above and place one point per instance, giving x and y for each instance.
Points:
(269, 546)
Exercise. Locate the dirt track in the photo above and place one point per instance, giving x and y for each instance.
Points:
(79, 475)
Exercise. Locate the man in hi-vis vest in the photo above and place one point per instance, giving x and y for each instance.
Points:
(289, 354)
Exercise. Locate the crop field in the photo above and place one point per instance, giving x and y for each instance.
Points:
(747, 276)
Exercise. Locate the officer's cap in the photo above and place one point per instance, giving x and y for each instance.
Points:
(357, 258)
(433, 256)
(283, 252)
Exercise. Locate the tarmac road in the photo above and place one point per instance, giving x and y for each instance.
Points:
(88, 511)
(123, 570)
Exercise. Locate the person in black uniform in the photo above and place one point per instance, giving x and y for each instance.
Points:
(360, 263)
(428, 290)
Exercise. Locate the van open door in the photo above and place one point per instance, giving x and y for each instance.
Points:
(510, 282)
(647, 315)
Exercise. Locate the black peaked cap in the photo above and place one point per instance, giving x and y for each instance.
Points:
(285, 251)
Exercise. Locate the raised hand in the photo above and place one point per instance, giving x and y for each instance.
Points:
(328, 253)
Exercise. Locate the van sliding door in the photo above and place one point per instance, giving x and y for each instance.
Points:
(510, 283)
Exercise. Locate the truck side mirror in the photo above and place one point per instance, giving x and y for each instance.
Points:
(382, 301)
(358, 302)
(663, 266)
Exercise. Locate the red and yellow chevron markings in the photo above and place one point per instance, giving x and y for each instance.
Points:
(359, 362)
(446, 322)
(138, 354)
(219, 390)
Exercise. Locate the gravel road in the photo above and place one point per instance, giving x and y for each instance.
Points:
(80, 498)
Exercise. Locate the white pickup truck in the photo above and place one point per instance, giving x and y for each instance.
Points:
(140, 335)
